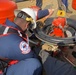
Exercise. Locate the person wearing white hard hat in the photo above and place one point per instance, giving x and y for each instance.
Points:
(31, 13)
(15, 44)
(38, 14)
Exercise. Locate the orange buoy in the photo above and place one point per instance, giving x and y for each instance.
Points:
(7, 8)
(74, 4)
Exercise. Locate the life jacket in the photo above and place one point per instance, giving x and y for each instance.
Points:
(5, 31)
(36, 9)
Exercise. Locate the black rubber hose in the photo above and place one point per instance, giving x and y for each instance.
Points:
(40, 33)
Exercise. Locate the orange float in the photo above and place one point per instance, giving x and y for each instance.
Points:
(74, 4)
(7, 8)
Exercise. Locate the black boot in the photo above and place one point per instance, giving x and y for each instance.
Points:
(68, 11)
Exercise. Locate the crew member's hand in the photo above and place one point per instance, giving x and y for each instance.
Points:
(51, 11)
(49, 47)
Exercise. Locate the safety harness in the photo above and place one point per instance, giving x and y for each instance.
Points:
(5, 31)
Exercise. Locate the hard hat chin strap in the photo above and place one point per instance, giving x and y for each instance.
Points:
(32, 21)
(29, 19)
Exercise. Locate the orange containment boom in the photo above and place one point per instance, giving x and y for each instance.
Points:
(7, 8)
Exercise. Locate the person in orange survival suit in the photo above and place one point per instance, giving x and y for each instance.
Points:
(14, 44)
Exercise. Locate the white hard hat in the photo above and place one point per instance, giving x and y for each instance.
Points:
(30, 12)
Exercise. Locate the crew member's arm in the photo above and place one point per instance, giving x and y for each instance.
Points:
(44, 14)
(56, 67)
